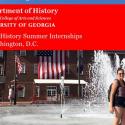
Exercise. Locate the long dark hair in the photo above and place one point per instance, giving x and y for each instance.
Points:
(119, 69)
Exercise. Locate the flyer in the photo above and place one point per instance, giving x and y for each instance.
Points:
(50, 25)
(62, 62)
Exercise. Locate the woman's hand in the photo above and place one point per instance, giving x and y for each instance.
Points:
(111, 109)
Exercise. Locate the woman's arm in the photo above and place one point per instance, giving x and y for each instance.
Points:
(112, 94)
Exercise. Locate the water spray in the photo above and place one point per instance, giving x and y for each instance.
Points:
(62, 94)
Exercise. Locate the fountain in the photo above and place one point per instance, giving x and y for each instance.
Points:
(62, 95)
(102, 72)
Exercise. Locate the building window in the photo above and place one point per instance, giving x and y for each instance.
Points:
(23, 53)
(80, 53)
(67, 62)
(68, 67)
(83, 90)
(66, 91)
(21, 92)
(81, 69)
(80, 66)
(51, 90)
(23, 68)
(35, 68)
(1, 70)
(35, 53)
(37, 92)
(1, 54)
(68, 54)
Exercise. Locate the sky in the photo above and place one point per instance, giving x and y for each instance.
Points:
(62, 1)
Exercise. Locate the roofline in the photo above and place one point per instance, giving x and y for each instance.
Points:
(58, 81)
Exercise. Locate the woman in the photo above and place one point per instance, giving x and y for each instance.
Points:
(11, 94)
(117, 97)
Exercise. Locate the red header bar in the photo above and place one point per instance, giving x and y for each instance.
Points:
(62, 27)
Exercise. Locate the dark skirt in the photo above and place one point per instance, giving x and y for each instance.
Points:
(119, 101)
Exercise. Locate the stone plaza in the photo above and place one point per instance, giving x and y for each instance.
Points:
(49, 114)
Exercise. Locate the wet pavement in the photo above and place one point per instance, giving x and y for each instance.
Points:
(50, 114)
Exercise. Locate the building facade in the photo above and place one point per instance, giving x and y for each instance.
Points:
(28, 90)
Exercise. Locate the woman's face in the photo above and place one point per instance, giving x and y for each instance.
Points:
(120, 74)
